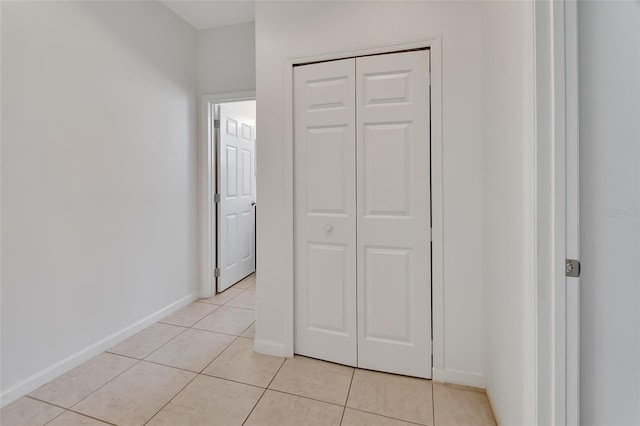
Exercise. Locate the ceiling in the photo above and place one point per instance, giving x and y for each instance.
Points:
(205, 14)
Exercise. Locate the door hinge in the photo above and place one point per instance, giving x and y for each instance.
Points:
(216, 198)
(216, 123)
(216, 272)
(572, 268)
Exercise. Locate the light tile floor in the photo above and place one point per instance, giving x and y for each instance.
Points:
(197, 367)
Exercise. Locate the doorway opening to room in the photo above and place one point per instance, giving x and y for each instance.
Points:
(229, 192)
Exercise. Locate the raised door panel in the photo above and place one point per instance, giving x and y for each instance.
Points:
(388, 290)
(231, 247)
(393, 219)
(328, 288)
(386, 153)
(325, 170)
(325, 211)
(231, 158)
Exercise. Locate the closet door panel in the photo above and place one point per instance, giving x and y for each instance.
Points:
(325, 211)
(393, 218)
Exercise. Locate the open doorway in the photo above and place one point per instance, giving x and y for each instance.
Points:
(228, 191)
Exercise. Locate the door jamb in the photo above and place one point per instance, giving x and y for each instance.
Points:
(437, 235)
(207, 162)
(557, 227)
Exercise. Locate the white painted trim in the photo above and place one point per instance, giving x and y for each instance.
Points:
(44, 376)
(572, 210)
(268, 347)
(556, 232)
(457, 377)
(435, 46)
(207, 183)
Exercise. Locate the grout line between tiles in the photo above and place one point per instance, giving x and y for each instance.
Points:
(353, 373)
(254, 406)
(105, 384)
(124, 356)
(211, 376)
(216, 357)
(433, 405)
(245, 330)
(305, 397)
(274, 376)
(387, 417)
(236, 307)
(211, 331)
(45, 402)
(164, 344)
(196, 375)
(197, 321)
(263, 393)
(91, 417)
(172, 398)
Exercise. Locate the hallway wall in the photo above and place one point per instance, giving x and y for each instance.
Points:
(99, 202)
(227, 59)
(508, 210)
(286, 29)
(609, 76)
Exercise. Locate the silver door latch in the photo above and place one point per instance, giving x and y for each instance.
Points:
(572, 268)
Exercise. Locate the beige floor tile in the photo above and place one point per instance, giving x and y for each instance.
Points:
(70, 418)
(28, 412)
(136, 395)
(250, 332)
(70, 388)
(279, 409)
(193, 350)
(246, 300)
(239, 363)
(314, 379)
(400, 397)
(146, 341)
(360, 418)
(457, 405)
(222, 298)
(209, 401)
(190, 314)
(253, 287)
(246, 282)
(227, 320)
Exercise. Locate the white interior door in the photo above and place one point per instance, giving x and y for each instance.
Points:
(236, 186)
(325, 211)
(394, 213)
(362, 212)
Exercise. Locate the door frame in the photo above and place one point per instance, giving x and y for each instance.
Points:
(434, 45)
(557, 297)
(208, 180)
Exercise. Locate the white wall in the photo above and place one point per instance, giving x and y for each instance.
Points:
(227, 59)
(609, 74)
(508, 209)
(295, 28)
(99, 203)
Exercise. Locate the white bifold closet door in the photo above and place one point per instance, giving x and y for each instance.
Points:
(362, 212)
(325, 211)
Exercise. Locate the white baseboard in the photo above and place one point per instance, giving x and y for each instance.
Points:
(457, 377)
(267, 347)
(46, 375)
